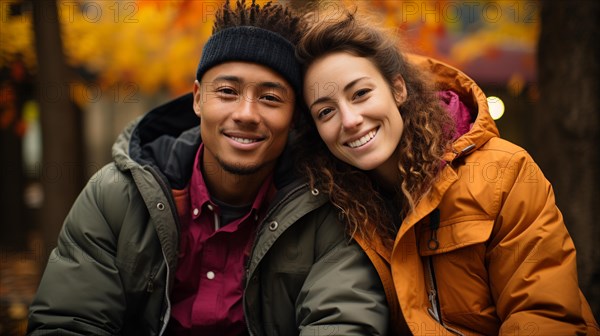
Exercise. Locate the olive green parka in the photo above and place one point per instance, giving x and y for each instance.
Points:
(114, 265)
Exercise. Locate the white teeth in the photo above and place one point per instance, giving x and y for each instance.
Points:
(363, 140)
(243, 140)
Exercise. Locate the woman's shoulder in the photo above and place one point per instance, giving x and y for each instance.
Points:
(500, 152)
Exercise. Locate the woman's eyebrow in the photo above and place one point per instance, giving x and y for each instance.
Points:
(346, 88)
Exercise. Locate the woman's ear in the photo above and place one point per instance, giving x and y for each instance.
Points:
(399, 90)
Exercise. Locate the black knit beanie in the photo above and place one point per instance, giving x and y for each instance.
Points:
(252, 44)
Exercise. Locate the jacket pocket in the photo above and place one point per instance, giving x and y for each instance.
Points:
(456, 272)
(450, 236)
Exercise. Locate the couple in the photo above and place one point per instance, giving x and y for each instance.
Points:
(329, 189)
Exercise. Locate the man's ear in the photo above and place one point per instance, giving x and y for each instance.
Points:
(399, 90)
(197, 98)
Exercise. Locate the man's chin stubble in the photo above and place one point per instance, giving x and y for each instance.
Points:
(238, 169)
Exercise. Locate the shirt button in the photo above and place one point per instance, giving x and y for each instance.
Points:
(255, 217)
(196, 211)
(210, 207)
(210, 275)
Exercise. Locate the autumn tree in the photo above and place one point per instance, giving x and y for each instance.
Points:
(61, 138)
(566, 125)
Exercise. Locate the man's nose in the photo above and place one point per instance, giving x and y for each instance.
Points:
(247, 111)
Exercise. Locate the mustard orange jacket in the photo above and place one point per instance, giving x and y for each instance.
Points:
(487, 253)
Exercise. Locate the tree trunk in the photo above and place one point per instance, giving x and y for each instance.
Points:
(566, 126)
(12, 182)
(61, 172)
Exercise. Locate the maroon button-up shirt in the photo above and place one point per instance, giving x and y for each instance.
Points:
(208, 288)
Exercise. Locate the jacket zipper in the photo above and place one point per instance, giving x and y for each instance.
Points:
(259, 229)
(150, 283)
(165, 318)
(167, 315)
(435, 310)
(434, 224)
(433, 244)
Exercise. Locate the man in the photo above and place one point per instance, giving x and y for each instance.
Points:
(206, 230)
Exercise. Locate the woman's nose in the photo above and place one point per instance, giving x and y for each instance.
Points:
(351, 118)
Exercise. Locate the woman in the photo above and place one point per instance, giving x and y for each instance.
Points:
(461, 224)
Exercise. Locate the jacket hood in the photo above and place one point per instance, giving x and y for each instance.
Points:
(481, 127)
(167, 139)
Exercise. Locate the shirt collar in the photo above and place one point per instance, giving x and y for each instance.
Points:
(200, 196)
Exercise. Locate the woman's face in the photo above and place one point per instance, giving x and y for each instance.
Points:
(354, 110)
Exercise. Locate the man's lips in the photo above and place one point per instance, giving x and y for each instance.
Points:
(243, 138)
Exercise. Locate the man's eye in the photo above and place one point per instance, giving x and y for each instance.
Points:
(271, 98)
(226, 91)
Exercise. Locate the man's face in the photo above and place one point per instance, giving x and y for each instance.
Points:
(245, 112)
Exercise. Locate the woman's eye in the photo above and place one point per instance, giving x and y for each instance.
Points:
(360, 93)
(324, 112)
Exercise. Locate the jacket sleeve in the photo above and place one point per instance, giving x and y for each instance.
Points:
(532, 264)
(342, 294)
(81, 292)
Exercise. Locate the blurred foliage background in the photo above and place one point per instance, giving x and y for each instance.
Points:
(73, 73)
(156, 43)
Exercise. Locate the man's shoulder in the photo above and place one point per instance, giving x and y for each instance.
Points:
(109, 175)
(112, 191)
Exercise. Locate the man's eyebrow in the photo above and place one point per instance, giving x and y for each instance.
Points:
(346, 88)
(239, 80)
(228, 78)
(272, 85)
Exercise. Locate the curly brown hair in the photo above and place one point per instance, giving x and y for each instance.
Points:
(273, 17)
(427, 128)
